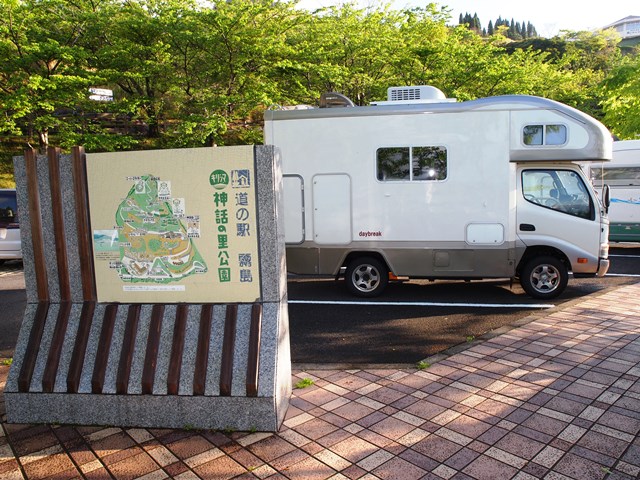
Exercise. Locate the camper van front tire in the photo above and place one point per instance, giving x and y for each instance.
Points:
(366, 277)
(544, 277)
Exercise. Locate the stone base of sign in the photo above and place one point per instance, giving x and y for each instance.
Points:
(207, 366)
(148, 411)
(263, 412)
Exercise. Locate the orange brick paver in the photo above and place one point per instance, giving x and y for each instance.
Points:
(557, 397)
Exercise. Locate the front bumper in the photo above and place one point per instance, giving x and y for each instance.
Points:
(603, 267)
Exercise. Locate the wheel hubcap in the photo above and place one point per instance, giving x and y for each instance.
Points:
(366, 278)
(545, 278)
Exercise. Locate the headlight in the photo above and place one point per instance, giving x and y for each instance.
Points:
(604, 250)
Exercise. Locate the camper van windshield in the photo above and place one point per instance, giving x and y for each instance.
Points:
(561, 190)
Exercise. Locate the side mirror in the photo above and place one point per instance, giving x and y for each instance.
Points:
(606, 197)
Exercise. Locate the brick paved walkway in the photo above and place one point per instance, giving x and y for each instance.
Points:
(556, 398)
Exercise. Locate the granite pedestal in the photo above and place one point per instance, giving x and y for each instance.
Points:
(210, 364)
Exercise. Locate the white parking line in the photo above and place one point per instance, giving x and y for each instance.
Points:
(622, 275)
(625, 256)
(426, 304)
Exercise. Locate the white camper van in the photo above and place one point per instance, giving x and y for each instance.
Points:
(421, 186)
(623, 177)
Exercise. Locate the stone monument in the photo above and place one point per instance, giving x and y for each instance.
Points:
(156, 290)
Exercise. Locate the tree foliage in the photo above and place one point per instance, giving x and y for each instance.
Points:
(43, 69)
(621, 99)
(193, 73)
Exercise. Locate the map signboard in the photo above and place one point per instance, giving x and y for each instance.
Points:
(174, 225)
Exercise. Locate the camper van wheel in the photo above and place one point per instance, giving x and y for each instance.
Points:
(366, 277)
(544, 277)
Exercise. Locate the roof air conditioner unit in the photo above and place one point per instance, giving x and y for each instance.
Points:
(414, 94)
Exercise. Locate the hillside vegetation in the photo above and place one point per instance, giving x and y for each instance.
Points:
(188, 73)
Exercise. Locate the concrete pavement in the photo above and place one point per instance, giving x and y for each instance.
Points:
(557, 397)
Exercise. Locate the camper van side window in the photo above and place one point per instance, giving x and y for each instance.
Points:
(411, 163)
(544, 135)
(393, 164)
(429, 163)
(532, 135)
(555, 135)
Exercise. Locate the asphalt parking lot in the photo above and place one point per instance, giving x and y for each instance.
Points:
(411, 321)
(416, 319)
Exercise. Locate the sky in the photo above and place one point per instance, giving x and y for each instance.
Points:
(547, 16)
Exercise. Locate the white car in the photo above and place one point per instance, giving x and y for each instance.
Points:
(10, 248)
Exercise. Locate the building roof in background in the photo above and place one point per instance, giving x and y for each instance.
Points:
(627, 27)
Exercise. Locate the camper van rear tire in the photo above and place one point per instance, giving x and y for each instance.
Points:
(366, 277)
(544, 277)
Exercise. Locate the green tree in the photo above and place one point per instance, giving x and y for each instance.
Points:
(592, 50)
(349, 50)
(135, 55)
(581, 59)
(589, 58)
(243, 46)
(421, 56)
(621, 99)
(43, 74)
(192, 73)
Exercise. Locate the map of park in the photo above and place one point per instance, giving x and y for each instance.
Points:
(155, 245)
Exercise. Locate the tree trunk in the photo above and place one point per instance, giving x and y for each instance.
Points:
(154, 129)
(152, 121)
(43, 139)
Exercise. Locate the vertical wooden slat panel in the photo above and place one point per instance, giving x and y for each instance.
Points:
(177, 348)
(202, 351)
(104, 345)
(31, 353)
(228, 347)
(128, 345)
(82, 219)
(58, 224)
(153, 344)
(40, 268)
(80, 347)
(253, 360)
(55, 350)
(80, 191)
(62, 263)
(35, 217)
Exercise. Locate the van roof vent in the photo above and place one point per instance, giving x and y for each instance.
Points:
(414, 94)
(334, 100)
